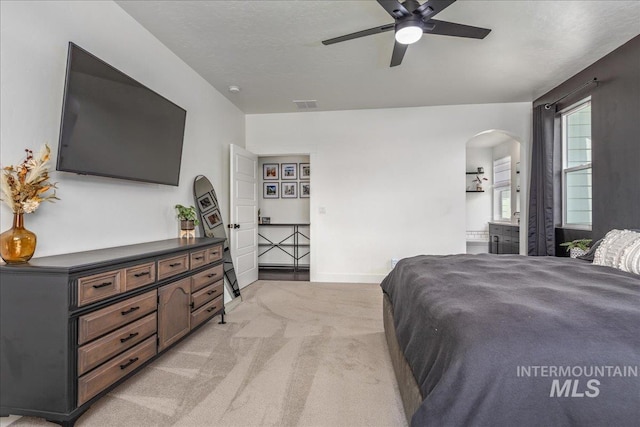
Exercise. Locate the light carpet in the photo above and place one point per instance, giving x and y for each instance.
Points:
(291, 354)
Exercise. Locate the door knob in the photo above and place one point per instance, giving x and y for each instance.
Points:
(236, 225)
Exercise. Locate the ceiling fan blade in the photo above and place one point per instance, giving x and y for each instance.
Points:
(394, 8)
(398, 53)
(432, 7)
(369, 32)
(445, 28)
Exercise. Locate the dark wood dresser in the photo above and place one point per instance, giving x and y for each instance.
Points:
(74, 326)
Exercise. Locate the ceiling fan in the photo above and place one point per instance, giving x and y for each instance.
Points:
(412, 20)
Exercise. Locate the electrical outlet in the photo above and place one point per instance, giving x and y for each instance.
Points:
(394, 261)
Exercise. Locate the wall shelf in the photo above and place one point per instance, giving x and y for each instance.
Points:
(475, 191)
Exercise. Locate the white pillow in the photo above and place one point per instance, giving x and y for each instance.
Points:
(630, 260)
(618, 250)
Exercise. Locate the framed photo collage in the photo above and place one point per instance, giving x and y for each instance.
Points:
(286, 180)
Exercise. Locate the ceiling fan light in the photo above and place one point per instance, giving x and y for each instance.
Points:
(408, 34)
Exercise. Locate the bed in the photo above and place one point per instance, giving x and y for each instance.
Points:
(504, 340)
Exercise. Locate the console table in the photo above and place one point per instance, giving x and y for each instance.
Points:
(74, 326)
(295, 244)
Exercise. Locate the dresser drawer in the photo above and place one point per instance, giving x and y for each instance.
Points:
(206, 311)
(99, 286)
(140, 275)
(206, 277)
(207, 294)
(100, 350)
(198, 259)
(99, 379)
(214, 253)
(171, 266)
(107, 319)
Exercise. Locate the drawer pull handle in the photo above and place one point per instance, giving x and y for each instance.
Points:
(131, 310)
(199, 257)
(129, 363)
(102, 285)
(146, 273)
(212, 275)
(135, 334)
(212, 292)
(209, 310)
(175, 264)
(192, 304)
(214, 253)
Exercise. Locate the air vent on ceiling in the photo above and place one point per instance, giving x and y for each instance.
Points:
(306, 105)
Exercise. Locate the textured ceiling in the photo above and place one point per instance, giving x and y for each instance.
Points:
(272, 50)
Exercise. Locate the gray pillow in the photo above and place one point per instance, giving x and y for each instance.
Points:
(591, 252)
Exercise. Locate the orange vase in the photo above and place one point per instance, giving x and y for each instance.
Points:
(17, 244)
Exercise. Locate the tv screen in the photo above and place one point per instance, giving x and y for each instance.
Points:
(113, 126)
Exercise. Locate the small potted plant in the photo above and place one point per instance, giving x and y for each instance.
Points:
(577, 247)
(188, 220)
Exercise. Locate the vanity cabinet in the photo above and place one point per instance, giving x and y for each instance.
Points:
(74, 326)
(504, 239)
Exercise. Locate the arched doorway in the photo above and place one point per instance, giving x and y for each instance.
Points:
(492, 155)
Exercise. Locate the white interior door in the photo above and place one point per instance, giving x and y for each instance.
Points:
(243, 236)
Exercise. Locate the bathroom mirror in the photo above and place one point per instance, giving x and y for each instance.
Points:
(212, 225)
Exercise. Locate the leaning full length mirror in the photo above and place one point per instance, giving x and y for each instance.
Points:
(211, 225)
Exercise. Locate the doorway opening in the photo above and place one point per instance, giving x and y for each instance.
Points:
(284, 231)
(493, 199)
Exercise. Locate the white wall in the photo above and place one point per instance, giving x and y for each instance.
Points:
(390, 182)
(283, 210)
(99, 212)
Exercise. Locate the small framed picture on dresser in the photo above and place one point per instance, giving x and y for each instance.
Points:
(289, 170)
(289, 190)
(270, 171)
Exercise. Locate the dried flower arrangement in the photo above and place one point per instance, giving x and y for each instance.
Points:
(478, 179)
(24, 186)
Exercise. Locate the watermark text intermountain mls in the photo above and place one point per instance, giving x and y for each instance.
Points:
(576, 381)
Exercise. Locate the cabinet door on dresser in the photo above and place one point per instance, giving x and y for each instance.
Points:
(174, 312)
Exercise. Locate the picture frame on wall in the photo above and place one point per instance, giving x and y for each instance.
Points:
(213, 218)
(271, 190)
(270, 171)
(289, 190)
(289, 170)
(305, 173)
(305, 190)
(206, 202)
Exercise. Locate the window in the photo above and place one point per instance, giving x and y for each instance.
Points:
(576, 165)
(502, 189)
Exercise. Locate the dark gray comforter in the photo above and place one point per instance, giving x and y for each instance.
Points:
(511, 340)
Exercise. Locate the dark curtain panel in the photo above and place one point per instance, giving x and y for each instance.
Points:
(545, 171)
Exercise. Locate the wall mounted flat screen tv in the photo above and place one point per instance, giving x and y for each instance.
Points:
(114, 126)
